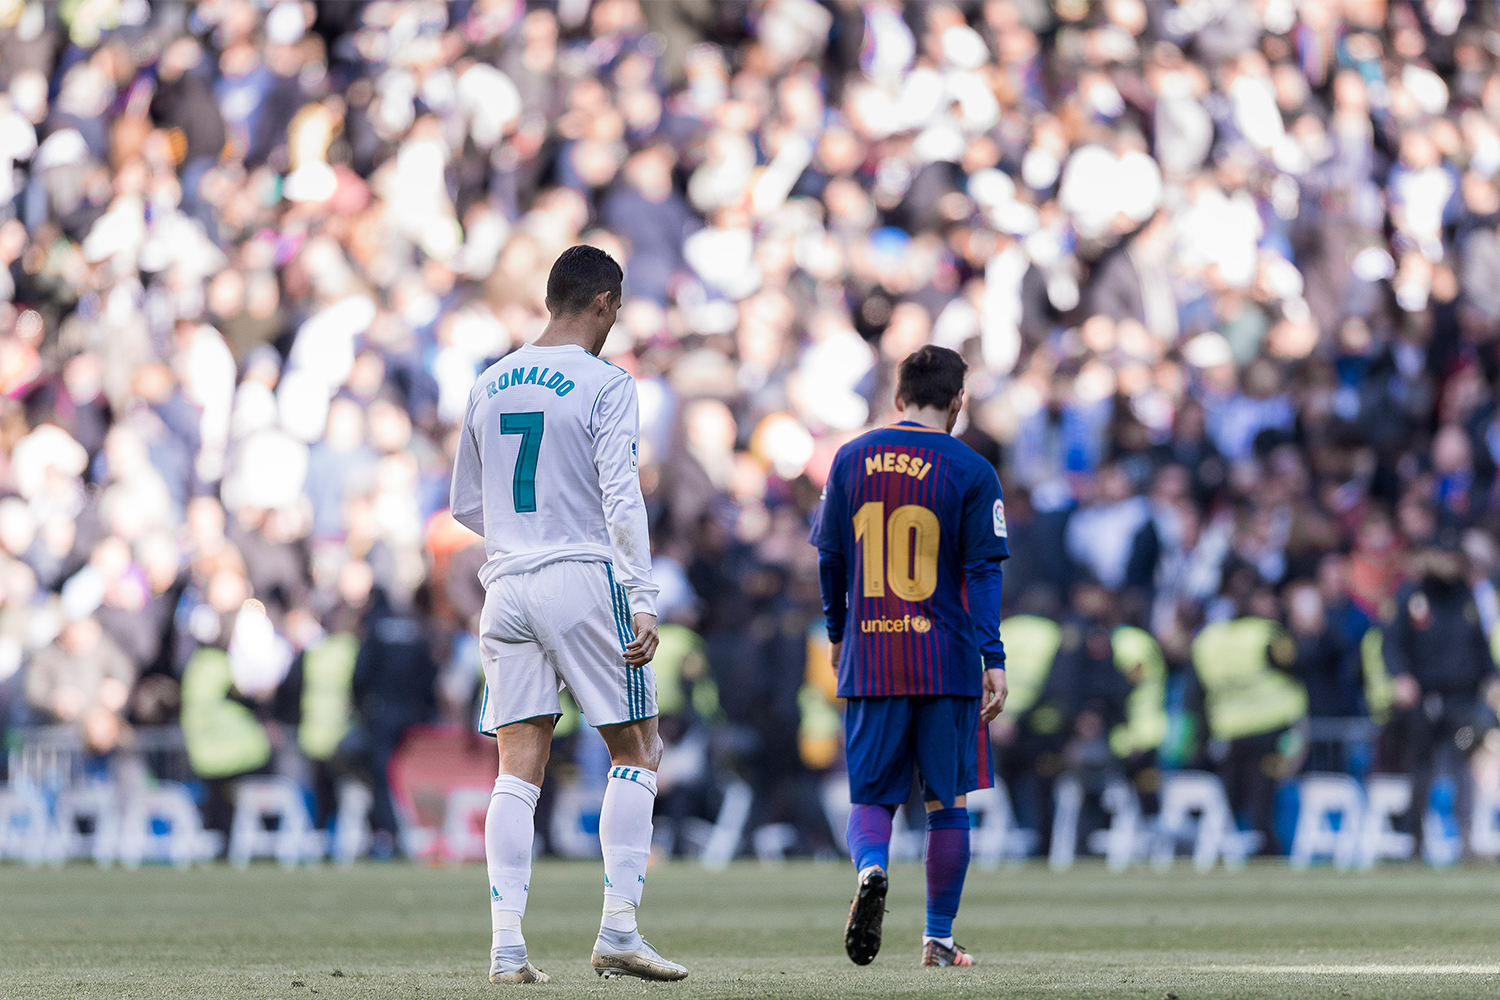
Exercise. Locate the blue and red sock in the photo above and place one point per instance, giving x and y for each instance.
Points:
(947, 864)
(870, 836)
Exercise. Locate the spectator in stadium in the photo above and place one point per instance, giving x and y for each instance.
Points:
(1092, 694)
(394, 688)
(82, 679)
(1441, 671)
(1256, 241)
(1327, 664)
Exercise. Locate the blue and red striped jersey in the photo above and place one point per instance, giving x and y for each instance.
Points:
(906, 507)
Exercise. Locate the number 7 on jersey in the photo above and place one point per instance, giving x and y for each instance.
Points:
(530, 427)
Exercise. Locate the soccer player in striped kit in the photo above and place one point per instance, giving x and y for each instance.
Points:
(910, 536)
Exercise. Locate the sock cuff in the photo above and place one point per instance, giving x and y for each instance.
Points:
(956, 818)
(640, 775)
(509, 784)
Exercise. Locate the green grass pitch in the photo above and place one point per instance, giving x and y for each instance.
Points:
(752, 931)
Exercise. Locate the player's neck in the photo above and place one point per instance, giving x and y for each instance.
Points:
(927, 416)
(568, 332)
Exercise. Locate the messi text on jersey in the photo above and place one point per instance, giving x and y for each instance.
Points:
(897, 461)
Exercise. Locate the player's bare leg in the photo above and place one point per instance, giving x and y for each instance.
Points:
(509, 827)
(947, 864)
(625, 837)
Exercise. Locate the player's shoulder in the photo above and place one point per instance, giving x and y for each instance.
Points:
(974, 464)
(601, 368)
(600, 373)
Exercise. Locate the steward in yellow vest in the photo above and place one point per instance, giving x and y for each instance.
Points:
(221, 733)
(1134, 742)
(224, 739)
(1251, 703)
(326, 703)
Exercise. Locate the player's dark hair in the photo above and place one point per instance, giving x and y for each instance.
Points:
(580, 274)
(931, 376)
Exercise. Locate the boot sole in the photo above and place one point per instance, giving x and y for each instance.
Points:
(616, 967)
(862, 932)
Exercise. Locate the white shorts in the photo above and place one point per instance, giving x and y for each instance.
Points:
(563, 625)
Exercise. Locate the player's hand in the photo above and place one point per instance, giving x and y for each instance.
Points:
(994, 695)
(835, 651)
(638, 651)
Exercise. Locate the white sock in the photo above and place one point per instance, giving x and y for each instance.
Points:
(509, 828)
(946, 942)
(625, 836)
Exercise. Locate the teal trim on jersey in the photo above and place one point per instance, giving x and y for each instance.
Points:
(619, 612)
(635, 677)
(614, 603)
(604, 361)
(531, 426)
(601, 392)
(483, 707)
(629, 623)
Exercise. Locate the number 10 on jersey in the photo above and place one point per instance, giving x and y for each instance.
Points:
(901, 553)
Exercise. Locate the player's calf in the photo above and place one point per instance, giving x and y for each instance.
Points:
(509, 826)
(625, 838)
(947, 861)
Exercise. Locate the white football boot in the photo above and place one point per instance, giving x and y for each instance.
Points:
(510, 965)
(626, 953)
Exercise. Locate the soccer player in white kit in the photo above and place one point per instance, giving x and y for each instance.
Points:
(546, 471)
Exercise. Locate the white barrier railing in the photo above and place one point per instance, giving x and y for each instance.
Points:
(53, 811)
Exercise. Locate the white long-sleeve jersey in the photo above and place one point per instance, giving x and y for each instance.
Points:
(546, 468)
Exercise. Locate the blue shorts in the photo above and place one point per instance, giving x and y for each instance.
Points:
(941, 736)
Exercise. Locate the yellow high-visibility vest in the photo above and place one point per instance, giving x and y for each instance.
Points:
(223, 737)
(1145, 724)
(1244, 694)
(1378, 687)
(1031, 644)
(327, 688)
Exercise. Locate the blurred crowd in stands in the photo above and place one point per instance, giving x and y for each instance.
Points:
(1227, 273)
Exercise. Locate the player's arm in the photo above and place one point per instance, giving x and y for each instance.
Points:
(833, 568)
(985, 545)
(984, 580)
(616, 423)
(466, 494)
(833, 576)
